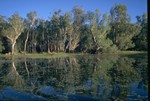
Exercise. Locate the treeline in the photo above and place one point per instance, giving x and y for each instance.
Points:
(74, 31)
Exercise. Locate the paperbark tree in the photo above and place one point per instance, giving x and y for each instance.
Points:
(122, 31)
(14, 30)
(79, 19)
(30, 22)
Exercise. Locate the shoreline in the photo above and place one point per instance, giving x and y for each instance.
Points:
(63, 54)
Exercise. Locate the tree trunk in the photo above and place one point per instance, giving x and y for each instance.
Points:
(48, 50)
(25, 44)
(13, 47)
(55, 48)
(93, 38)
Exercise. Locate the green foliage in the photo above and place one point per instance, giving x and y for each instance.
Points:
(141, 40)
(122, 32)
(14, 29)
(75, 31)
(99, 33)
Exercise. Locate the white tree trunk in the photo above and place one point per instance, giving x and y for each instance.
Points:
(13, 47)
(25, 44)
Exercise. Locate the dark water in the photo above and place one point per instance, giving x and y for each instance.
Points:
(78, 78)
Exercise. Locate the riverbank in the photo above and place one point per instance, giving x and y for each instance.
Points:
(40, 55)
(132, 52)
(63, 54)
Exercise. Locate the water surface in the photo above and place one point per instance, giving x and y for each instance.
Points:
(76, 78)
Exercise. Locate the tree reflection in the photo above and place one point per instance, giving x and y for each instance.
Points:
(13, 78)
(25, 63)
(103, 77)
(122, 74)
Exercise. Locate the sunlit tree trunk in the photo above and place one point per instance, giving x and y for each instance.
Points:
(31, 21)
(13, 47)
(25, 45)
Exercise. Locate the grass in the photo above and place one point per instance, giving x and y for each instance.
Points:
(131, 52)
(51, 55)
(63, 54)
(41, 55)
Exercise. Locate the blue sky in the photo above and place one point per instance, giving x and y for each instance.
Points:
(45, 8)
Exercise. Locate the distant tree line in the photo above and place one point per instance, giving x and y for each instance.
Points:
(75, 31)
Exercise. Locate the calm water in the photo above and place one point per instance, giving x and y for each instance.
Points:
(77, 78)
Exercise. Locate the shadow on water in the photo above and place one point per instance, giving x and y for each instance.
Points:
(81, 78)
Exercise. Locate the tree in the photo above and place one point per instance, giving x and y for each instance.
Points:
(40, 35)
(29, 24)
(65, 23)
(59, 31)
(103, 42)
(99, 30)
(75, 30)
(122, 31)
(14, 30)
(55, 34)
(141, 41)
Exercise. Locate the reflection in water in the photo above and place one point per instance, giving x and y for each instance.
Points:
(13, 78)
(79, 78)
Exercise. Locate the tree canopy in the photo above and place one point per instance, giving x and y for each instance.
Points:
(75, 31)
